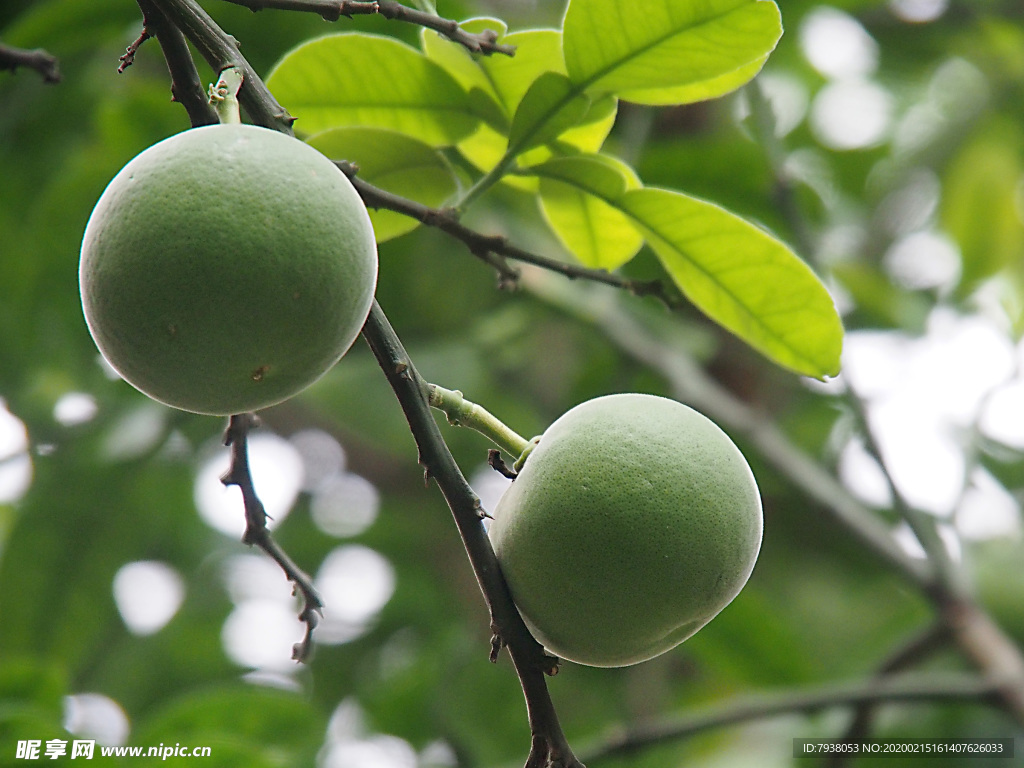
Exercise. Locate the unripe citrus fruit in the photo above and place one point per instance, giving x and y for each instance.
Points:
(633, 522)
(226, 268)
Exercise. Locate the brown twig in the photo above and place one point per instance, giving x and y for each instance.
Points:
(549, 748)
(186, 86)
(495, 250)
(46, 64)
(221, 51)
(485, 42)
(329, 10)
(256, 532)
(128, 57)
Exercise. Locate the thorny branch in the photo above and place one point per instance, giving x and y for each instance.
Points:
(549, 747)
(485, 42)
(221, 51)
(186, 86)
(256, 532)
(495, 250)
(973, 630)
(46, 64)
(128, 57)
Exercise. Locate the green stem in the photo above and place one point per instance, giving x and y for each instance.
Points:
(485, 182)
(463, 413)
(224, 96)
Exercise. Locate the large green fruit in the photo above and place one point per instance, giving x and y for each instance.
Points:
(226, 268)
(633, 522)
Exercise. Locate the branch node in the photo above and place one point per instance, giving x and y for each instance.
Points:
(41, 61)
(128, 57)
(495, 462)
(496, 644)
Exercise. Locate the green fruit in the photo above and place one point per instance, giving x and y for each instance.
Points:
(226, 268)
(633, 522)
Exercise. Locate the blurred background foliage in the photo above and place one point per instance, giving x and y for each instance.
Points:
(130, 612)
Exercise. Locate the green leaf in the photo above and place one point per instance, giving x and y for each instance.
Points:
(980, 203)
(742, 278)
(701, 90)
(537, 51)
(457, 61)
(505, 79)
(595, 126)
(395, 162)
(467, 70)
(668, 51)
(574, 195)
(354, 79)
(547, 109)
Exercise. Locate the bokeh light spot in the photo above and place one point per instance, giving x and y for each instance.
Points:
(355, 582)
(148, 593)
(836, 44)
(851, 114)
(345, 505)
(74, 408)
(95, 716)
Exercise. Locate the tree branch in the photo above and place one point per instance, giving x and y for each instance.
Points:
(950, 687)
(978, 637)
(186, 87)
(44, 63)
(496, 249)
(256, 532)
(221, 51)
(331, 10)
(932, 639)
(549, 747)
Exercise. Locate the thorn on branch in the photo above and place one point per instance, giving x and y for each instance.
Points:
(553, 665)
(256, 533)
(496, 644)
(42, 62)
(497, 250)
(481, 513)
(128, 57)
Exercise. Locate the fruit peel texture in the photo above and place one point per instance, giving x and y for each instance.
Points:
(226, 268)
(632, 524)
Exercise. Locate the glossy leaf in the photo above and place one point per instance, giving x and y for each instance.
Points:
(979, 204)
(594, 127)
(668, 51)
(548, 108)
(742, 278)
(396, 163)
(574, 195)
(468, 70)
(365, 80)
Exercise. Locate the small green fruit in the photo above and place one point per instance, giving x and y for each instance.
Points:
(633, 522)
(226, 268)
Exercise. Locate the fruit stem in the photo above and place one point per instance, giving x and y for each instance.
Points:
(224, 95)
(463, 413)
